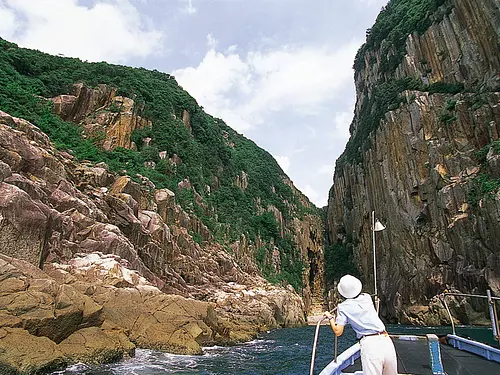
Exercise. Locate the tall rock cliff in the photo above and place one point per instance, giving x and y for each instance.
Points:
(132, 218)
(424, 155)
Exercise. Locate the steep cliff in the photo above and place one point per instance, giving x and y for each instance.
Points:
(174, 230)
(424, 155)
(142, 124)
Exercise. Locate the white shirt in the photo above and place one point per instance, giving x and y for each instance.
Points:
(360, 313)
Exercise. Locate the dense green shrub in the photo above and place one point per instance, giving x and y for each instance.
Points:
(212, 154)
(385, 97)
(395, 22)
(445, 88)
(387, 38)
(447, 117)
(481, 154)
(338, 262)
(292, 265)
(483, 186)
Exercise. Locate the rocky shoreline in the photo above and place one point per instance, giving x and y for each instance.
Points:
(89, 269)
(96, 310)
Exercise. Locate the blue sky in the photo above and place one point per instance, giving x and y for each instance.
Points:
(278, 71)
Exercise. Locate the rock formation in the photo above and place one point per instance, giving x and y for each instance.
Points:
(97, 109)
(420, 168)
(94, 264)
(131, 217)
(106, 117)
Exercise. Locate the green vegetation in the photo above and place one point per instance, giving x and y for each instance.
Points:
(481, 154)
(388, 37)
(447, 117)
(484, 185)
(476, 101)
(450, 105)
(444, 88)
(338, 262)
(395, 22)
(209, 159)
(291, 263)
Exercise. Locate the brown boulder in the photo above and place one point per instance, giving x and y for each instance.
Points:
(22, 353)
(32, 132)
(63, 105)
(124, 184)
(150, 318)
(165, 199)
(24, 225)
(32, 188)
(122, 213)
(247, 311)
(156, 227)
(34, 301)
(82, 101)
(159, 321)
(95, 345)
(26, 149)
(5, 171)
(97, 176)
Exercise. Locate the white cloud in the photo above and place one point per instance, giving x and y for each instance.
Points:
(214, 82)
(211, 41)
(284, 162)
(378, 3)
(312, 194)
(342, 122)
(189, 8)
(326, 169)
(108, 30)
(232, 49)
(303, 78)
(7, 22)
(245, 90)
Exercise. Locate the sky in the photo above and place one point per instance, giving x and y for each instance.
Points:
(277, 71)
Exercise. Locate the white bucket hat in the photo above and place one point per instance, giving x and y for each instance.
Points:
(349, 286)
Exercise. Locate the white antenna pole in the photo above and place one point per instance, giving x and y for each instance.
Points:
(374, 254)
(376, 227)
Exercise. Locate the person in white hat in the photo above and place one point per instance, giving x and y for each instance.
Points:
(378, 355)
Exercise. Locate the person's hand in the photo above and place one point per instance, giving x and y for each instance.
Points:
(328, 315)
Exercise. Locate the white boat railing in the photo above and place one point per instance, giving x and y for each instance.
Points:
(492, 309)
(316, 334)
(353, 352)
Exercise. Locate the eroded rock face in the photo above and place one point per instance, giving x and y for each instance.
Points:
(23, 353)
(105, 115)
(23, 225)
(421, 173)
(309, 234)
(120, 265)
(101, 112)
(247, 311)
(33, 301)
(95, 345)
(94, 310)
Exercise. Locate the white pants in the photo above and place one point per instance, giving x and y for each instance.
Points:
(378, 356)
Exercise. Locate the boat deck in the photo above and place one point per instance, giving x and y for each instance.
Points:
(413, 358)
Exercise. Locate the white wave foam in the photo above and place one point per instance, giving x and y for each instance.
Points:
(73, 368)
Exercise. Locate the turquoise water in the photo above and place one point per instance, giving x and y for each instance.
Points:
(284, 352)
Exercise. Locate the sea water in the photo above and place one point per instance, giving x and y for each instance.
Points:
(278, 352)
(282, 351)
